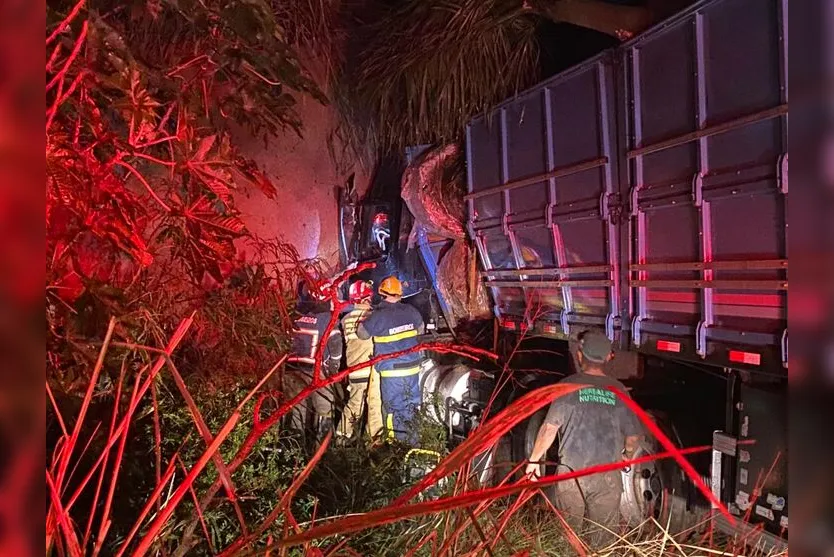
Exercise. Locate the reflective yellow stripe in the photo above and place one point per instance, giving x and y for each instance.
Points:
(351, 323)
(425, 452)
(389, 425)
(360, 374)
(399, 372)
(395, 338)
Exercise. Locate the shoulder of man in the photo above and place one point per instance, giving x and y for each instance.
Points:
(416, 312)
(357, 313)
(596, 380)
(322, 319)
(572, 378)
(620, 386)
(374, 319)
(323, 316)
(409, 312)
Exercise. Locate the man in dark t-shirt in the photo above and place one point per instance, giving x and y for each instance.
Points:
(594, 427)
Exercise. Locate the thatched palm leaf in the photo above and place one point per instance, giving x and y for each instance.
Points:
(421, 69)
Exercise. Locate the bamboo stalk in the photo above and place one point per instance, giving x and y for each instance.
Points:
(104, 525)
(173, 342)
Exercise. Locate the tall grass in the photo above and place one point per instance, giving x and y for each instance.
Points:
(377, 512)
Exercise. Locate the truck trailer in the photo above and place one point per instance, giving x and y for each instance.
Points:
(644, 193)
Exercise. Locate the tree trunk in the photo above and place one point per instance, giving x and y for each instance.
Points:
(622, 22)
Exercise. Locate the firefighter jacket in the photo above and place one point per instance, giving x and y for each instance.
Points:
(394, 327)
(307, 333)
(357, 350)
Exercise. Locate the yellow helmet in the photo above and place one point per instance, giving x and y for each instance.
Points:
(530, 256)
(391, 286)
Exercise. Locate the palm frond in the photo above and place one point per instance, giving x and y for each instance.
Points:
(416, 71)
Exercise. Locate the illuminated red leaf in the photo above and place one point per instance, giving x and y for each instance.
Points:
(205, 146)
(221, 248)
(69, 287)
(231, 225)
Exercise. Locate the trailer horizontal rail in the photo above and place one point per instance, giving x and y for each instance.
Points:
(746, 265)
(547, 283)
(715, 129)
(539, 271)
(535, 179)
(718, 284)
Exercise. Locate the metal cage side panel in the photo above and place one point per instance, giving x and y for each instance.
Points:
(543, 202)
(706, 98)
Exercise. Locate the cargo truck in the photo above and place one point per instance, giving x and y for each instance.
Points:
(644, 193)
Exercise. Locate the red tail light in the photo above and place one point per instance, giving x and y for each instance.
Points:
(511, 325)
(749, 358)
(668, 346)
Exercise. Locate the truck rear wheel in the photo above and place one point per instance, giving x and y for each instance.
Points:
(523, 438)
(660, 489)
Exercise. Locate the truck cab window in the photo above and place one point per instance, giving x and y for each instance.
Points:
(380, 233)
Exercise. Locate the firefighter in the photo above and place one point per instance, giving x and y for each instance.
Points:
(394, 326)
(363, 384)
(594, 427)
(307, 335)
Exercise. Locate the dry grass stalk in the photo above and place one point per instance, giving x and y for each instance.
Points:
(476, 520)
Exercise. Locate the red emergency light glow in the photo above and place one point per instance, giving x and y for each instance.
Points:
(552, 329)
(750, 358)
(511, 325)
(668, 346)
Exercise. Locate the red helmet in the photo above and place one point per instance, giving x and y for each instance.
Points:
(360, 290)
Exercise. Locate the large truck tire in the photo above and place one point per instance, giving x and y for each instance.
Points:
(663, 488)
(522, 438)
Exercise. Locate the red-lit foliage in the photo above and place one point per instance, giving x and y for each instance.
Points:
(141, 173)
(395, 513)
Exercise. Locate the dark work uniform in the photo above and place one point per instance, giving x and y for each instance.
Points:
(593, 424)
(307, 336)
(394, 327)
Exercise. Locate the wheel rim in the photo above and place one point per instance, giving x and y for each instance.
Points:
(643, 492)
